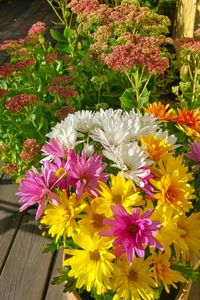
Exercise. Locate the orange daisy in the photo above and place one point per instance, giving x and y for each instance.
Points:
(160, 111)
(190, 118)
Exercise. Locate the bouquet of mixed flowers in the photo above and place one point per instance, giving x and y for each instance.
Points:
(115, 195)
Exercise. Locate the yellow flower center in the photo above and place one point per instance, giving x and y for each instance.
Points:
(60, 172)
(98, 220)
(94, 255)
(171, 196)
(117, 199)
(132, 276)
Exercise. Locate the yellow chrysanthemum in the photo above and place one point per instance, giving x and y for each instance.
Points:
(155, 146)
(133, 282)
(168, 232)
(91, 218)
(164, 273)
(189, 240)
(61, 218)
(173, 188)
(173, 192)
(194, 133)
(92, 265)
(121, 191)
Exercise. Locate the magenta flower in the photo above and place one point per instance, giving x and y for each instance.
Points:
(145, 184)
(132, 232)
(86, 172)
(55, 148)
(195, 152)
(35, 188)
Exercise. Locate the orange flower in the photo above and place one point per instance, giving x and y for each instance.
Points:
(190, 118)
(160, 111)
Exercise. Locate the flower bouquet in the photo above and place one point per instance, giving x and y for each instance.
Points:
(115, 195)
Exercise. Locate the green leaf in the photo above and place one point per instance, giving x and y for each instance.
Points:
(128, 99)
(144, 98)
(57, 36)
(68, 32)
(51, 248)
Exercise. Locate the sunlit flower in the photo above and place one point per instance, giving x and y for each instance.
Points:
(131, 160)
(120, 191)
(92, 219)
(60, 219)
(156, 147)
(195, 152)
(54, 148)
(190, 118)
(132, 232)
(164, 273)
(189, 241)
(160, 111)
(92, 265)
(35, 189)
(135, 281)
(168, 232)
(86, 172)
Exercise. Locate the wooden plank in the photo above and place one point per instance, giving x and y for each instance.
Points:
(56, 291)
(10, 217)
(195, 292)
(26, 270)
(186, 18)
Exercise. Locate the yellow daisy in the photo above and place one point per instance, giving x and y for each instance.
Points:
(61, 219)
(189, 240)
(164, 273)
(133, 282)
(156, 147)
(172, 185)
(91, 218)
(92, 265)
(121, 191)
(168, 232)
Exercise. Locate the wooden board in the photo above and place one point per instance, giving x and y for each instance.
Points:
(10, 218)
(187, 19)
(55, 292)
(27, 269)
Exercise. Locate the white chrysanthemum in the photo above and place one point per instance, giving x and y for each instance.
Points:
(130, 159)
(112, 133)
(65, 131)
(84, 121)
(140, 125)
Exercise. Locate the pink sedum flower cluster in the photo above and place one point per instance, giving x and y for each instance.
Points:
(18, 102)
(37, 28)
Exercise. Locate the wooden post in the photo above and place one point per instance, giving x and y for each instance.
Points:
(187, 19)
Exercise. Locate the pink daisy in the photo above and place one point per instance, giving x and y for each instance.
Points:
(35, 189)
(55, 148)
(133, 232)
(195, 152)
(86, 172)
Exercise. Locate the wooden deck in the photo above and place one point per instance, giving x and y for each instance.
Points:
(26, 272)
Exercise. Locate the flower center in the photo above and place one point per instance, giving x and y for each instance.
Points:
(132, 228)
(117, 199)
(98, 220)
(171, 196)
(94, 255)
(60, 172)
(132, 276)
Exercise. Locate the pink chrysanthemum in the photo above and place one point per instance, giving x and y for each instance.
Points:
(86, 172)
(133, 232)
(55, 148)
(145, 184)
(35, 188)
(195, 152)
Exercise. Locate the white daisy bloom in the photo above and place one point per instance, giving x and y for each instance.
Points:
(65, 131)
(130, 159)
